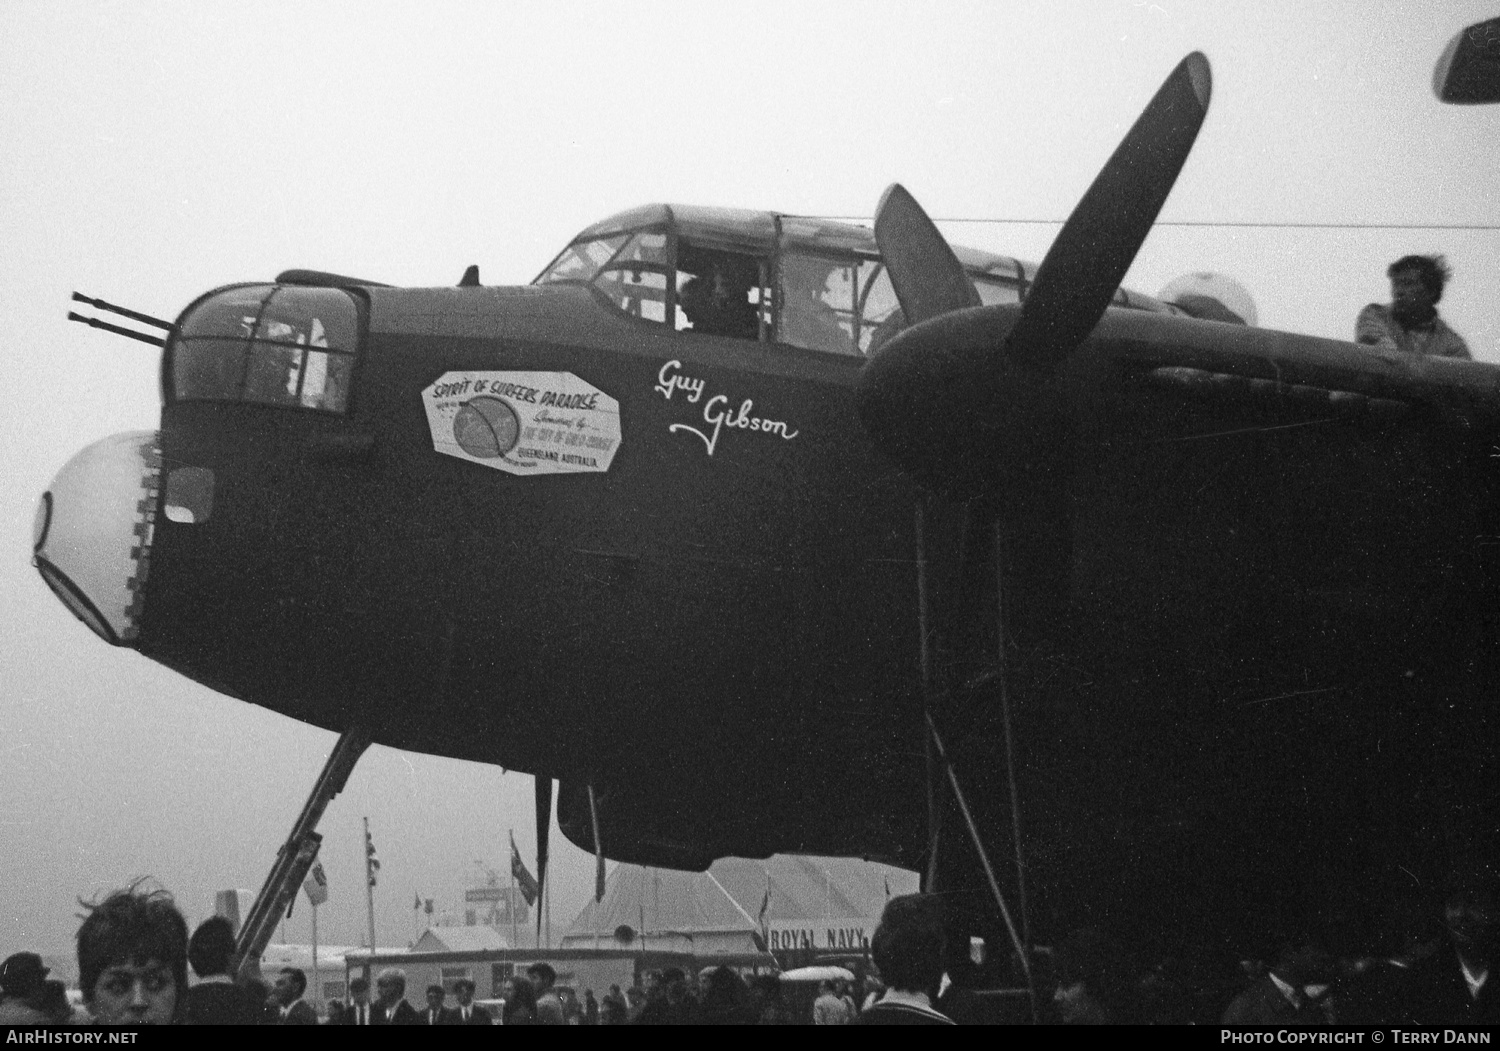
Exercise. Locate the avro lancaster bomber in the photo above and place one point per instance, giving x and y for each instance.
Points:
(762, 533)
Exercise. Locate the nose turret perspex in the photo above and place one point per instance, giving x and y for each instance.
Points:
(92, 537)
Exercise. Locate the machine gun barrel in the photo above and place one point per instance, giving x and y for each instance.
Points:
(99, 304)
(156, 341)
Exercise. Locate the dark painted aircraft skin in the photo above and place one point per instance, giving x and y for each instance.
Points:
(676, 607)
(1249, 589)
(1252, 619)
(707, 619)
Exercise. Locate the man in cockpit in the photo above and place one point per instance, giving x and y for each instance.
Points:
(807, 320)
(717, 302)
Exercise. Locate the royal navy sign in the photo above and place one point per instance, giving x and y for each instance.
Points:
(848, 935)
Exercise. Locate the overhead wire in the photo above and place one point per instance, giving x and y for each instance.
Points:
(1480, 227)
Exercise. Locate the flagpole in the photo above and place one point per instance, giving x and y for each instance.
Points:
(514, 936)
(317, 997)
(369, 887)
(765, 910)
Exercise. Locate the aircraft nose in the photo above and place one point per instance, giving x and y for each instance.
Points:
(91, 540)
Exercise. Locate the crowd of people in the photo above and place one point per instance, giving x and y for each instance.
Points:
(1437, 975)
(134, 955)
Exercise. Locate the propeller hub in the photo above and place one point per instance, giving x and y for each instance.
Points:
(946, 402)
(966, 399)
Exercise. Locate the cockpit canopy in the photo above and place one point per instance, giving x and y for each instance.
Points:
(796, 280)
(809, 283)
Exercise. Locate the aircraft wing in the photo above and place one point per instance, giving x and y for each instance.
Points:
(1264, 367)
(970, 397)
(948, 404)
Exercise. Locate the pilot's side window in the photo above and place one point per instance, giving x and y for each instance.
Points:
(722, 293)
(290, 346)
(819, 306)
(879, 312)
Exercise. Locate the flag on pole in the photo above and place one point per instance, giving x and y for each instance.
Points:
(524, 879)
(316, 884)
(416, 901)
(372, 863)
(762, 937)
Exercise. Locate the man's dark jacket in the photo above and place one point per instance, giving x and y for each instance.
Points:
(221, 1003)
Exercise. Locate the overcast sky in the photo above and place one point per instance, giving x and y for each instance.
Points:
(152, 151)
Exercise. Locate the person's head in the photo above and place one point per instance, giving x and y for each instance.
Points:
(542, 976)
(1417, 283)
(436, 994)
(825, 987)
(23, 976)
(211, 947)
(390, 986)
(767, 987)
(463, 989)
(53, 1002)
(614, 990)
(909, 943)
(359, 990)
(723, 987)
(259, 993)
(806, 275)
(719, 291)
(674, 983)
(132, 958)
(291, 983)
(519, 995)
(1090, 973)
(727, 285)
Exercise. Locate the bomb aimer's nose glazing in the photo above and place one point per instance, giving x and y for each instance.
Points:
(91, 540)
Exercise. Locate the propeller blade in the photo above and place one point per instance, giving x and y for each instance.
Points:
(1096, 246)
(928, 278)
(543, 830)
